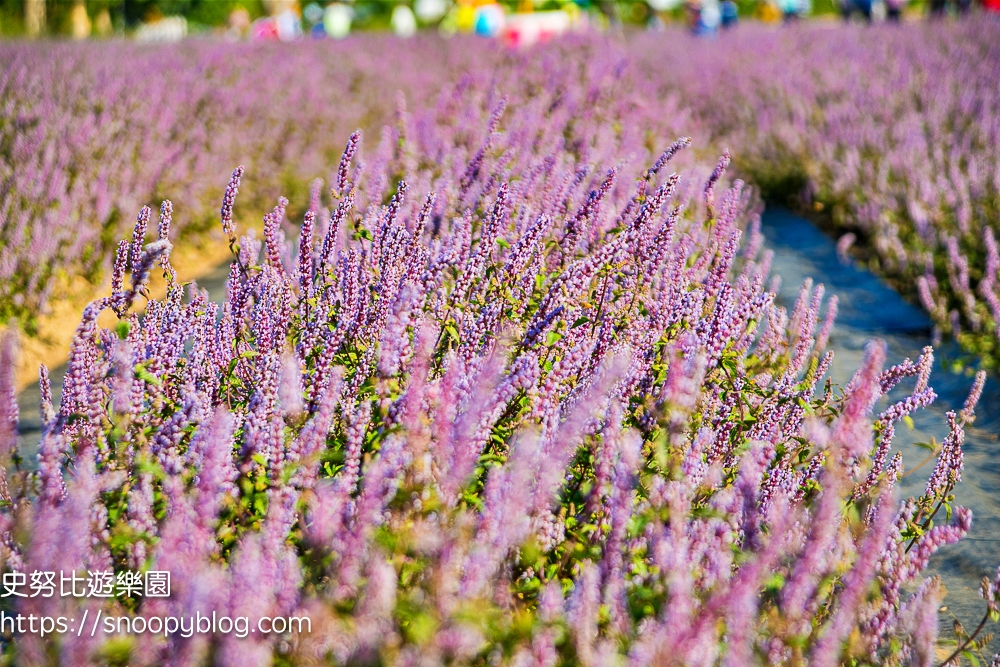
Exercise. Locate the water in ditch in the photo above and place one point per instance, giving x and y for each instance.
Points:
(871, 309)
(868, 309)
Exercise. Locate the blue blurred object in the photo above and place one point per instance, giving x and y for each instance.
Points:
(709, 18)
(289, 26)
(730, 13)
(863, 7)
(489, 20)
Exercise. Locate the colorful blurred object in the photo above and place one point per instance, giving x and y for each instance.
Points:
(286, 26)
(489, 20)
(524, 30)
(730, 13)
(289, 26)
(464, 17)
(264, 29)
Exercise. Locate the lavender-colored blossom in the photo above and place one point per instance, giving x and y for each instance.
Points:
(228, 201)
(345, 161)
(138, 235)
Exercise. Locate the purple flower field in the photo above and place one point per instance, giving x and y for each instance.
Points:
(507, 384)
(91, 132)
(891, 135)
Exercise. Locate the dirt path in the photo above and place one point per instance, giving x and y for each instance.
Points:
(193, 260)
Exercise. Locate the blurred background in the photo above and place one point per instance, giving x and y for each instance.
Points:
(515, 22)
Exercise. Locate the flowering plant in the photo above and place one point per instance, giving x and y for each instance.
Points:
(509, 408)
(887, 137)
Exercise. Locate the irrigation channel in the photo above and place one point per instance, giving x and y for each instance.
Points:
(868, 309)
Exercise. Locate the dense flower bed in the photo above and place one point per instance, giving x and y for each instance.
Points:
(88, 132)
(501, 398)
(891, 135)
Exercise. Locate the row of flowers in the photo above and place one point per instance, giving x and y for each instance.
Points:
(889, 136)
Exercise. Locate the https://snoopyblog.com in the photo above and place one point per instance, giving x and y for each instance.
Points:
(22, 608)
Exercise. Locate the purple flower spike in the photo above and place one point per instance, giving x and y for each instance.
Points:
(228, 201)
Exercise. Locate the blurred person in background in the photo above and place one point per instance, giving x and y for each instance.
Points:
(312, 18)
(849, 8)
(705, 17)
(264, 28)
(662, 7)
(289, 25)
(790, 10)
(730, 14)
(894, 10)
(490, 20)
(284, 22)
(156, 27)
(239, 23)
(711, 17)
(768, 11)
(692, 9)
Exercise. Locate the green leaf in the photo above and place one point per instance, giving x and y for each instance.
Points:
(775, 582)
(146, 376)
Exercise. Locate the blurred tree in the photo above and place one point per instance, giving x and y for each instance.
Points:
(80, 23)
(204, 12)
(34, 17)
